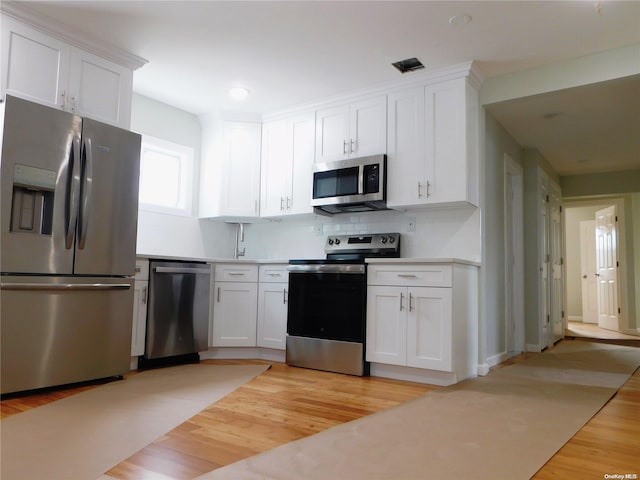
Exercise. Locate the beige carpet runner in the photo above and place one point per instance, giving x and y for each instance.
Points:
(502, 426)
(83, 436)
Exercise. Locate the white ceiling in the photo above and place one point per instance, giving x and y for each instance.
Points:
(289, 53)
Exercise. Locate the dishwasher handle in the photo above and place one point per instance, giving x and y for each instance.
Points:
(199, 271)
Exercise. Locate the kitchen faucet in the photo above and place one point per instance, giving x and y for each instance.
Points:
(237, 252)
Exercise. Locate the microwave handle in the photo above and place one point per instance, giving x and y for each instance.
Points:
(361, 179)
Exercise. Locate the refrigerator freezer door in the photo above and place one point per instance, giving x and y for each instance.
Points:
(58, 330)
(108, 214)
(36, 188)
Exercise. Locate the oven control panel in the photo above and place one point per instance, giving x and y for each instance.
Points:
(369, 243)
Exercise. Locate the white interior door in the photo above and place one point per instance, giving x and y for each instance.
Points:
(588, 271)
(513, 255)
(607, 267)
(556, 264)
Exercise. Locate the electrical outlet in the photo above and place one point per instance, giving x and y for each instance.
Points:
(411, 226)
(318, 229)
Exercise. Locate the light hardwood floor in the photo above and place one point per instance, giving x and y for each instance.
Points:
(287, 403)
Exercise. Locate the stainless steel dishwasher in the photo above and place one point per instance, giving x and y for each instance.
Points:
(178, 312)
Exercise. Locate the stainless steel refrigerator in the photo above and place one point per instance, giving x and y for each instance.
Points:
(68, 216)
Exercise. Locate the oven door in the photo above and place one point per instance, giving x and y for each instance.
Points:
(327, 302)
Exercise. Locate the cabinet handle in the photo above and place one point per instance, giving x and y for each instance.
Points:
(284, 295)
(344, 147)
(419, 190)
(273, 274)
(410, 303)
(218, 296)
(63, 100)
(428, 189)
(351, 144)
(288, 203)
(401, 298)
(144, 296)
(406, 275)
(235, 274)
(73, 104)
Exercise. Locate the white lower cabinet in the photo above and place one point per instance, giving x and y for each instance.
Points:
(409, 326)
(423, 316)
(234, 306)
(272, 307)
(140, 296)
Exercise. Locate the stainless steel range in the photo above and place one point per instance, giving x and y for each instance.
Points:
(326, 320)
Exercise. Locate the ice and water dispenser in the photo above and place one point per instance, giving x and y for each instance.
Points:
(32, 203)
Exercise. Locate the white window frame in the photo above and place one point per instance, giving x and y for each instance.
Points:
(184, 206)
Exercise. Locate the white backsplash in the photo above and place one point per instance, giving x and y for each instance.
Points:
(439, 233)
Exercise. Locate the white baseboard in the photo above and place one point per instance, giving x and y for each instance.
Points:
(534, 348)
(496, 359)
(410, 374)
(483, 369)
(574, 318)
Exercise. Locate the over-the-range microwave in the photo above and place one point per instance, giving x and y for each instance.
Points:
(350, 186)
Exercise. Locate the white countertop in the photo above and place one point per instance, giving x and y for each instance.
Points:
(212, 260)
(417, 261)
(286, 261)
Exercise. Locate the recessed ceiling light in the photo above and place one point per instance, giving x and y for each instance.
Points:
(458, 20)
(238, 93)
(408, 65)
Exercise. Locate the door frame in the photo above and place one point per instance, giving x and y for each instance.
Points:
(513, 177)
(618, 201)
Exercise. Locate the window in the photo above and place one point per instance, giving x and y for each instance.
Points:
(166, 176)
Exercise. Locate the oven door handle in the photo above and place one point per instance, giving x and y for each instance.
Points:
(320, 268)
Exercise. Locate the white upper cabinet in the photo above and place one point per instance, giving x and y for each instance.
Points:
(99, 89)
(46, 70)
(355, 130)
(230, 169)
(286, 169)
(433, 145)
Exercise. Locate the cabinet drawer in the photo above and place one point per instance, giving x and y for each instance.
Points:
(142, 269)
(236, 273)
(410, 275)
(273, 274)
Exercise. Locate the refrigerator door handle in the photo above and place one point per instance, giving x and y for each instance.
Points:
(64, 286)
(73, 188)
(86, 191)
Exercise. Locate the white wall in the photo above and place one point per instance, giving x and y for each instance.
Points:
(492, 300)
(172, 235)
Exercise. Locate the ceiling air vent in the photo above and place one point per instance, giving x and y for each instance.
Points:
(408, 65)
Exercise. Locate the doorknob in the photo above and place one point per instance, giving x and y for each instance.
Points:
(584, 276)
(597, 274)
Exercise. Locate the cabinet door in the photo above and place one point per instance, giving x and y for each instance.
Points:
(139, 327)
(332, 134)
(99, 89)
(406, 170)
(234, 314)
(446, 141)
(240, 183)
(429, 328)
(34, 66)
(386, 325)
(275, 168)
(272, 315)
(298, 198)
(368, 128)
